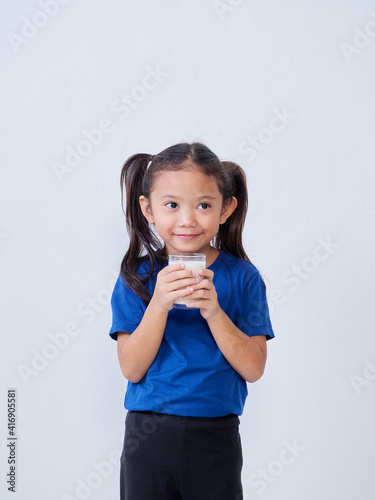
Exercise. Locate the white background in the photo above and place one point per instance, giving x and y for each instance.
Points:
(225, 68)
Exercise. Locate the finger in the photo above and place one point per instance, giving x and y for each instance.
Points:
(166, 271)
(172, 267)
(204, 284)
(202, 297)
(185, 292)
(175, 272)
(183, 283)
(182, 293)
(197, 304)
(206, 273)
(180, 277)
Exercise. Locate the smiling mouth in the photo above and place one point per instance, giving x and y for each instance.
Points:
(187, 236)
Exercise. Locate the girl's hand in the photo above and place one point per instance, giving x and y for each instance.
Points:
(206, 293)
(172, 283)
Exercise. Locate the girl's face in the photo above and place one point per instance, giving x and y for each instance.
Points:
(186, 207)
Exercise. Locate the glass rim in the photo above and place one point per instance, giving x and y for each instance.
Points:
(187, 255)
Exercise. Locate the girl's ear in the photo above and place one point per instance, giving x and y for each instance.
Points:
(146, 209)
(228, 208)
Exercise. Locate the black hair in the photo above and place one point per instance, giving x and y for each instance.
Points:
(138, 176)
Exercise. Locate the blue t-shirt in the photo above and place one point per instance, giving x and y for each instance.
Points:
(190, 376)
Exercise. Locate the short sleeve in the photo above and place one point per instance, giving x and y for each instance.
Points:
(127, 309)
(255, 318)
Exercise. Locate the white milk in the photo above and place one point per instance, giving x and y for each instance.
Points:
(193, 262)
(191, 266)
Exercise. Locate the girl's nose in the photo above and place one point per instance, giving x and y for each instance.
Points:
(187, 218)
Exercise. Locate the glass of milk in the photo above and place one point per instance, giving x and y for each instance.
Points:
(193, 262)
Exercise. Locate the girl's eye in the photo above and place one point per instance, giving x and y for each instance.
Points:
(204, 205)
(171, 204)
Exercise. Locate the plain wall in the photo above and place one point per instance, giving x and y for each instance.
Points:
(286, 89)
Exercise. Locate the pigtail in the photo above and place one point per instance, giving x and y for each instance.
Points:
(142, 239)
(229, 237)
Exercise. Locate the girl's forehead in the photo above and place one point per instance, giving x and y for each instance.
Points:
(185, 179)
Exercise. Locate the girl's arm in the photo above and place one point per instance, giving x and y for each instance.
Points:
(247, 355)
(137, 351)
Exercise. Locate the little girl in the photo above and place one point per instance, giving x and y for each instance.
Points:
(187, 369)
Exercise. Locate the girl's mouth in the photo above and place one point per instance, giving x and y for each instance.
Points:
(187, 236)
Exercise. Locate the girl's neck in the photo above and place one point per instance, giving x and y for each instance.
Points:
(212, 256)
